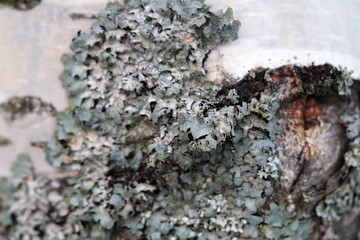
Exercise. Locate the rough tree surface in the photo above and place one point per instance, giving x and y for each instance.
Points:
(148, 149)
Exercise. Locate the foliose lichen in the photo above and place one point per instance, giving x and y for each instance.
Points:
(282, 225)
(154, 149)
(33, 206)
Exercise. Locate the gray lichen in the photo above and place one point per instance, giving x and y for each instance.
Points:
(281, 225)
(34, 204)
(156, 151)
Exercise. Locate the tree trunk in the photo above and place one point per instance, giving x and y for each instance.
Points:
(178, 126)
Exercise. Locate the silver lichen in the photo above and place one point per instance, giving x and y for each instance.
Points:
(152, 152)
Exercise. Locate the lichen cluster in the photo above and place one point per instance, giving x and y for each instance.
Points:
(33, 206)
(149, 150)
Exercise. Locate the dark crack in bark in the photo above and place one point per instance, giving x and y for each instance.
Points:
(17, 107)
(4, 141)
(21, 4)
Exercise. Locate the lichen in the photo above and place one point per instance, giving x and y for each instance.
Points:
(34, 204)
(154, 149)
(281, 225)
